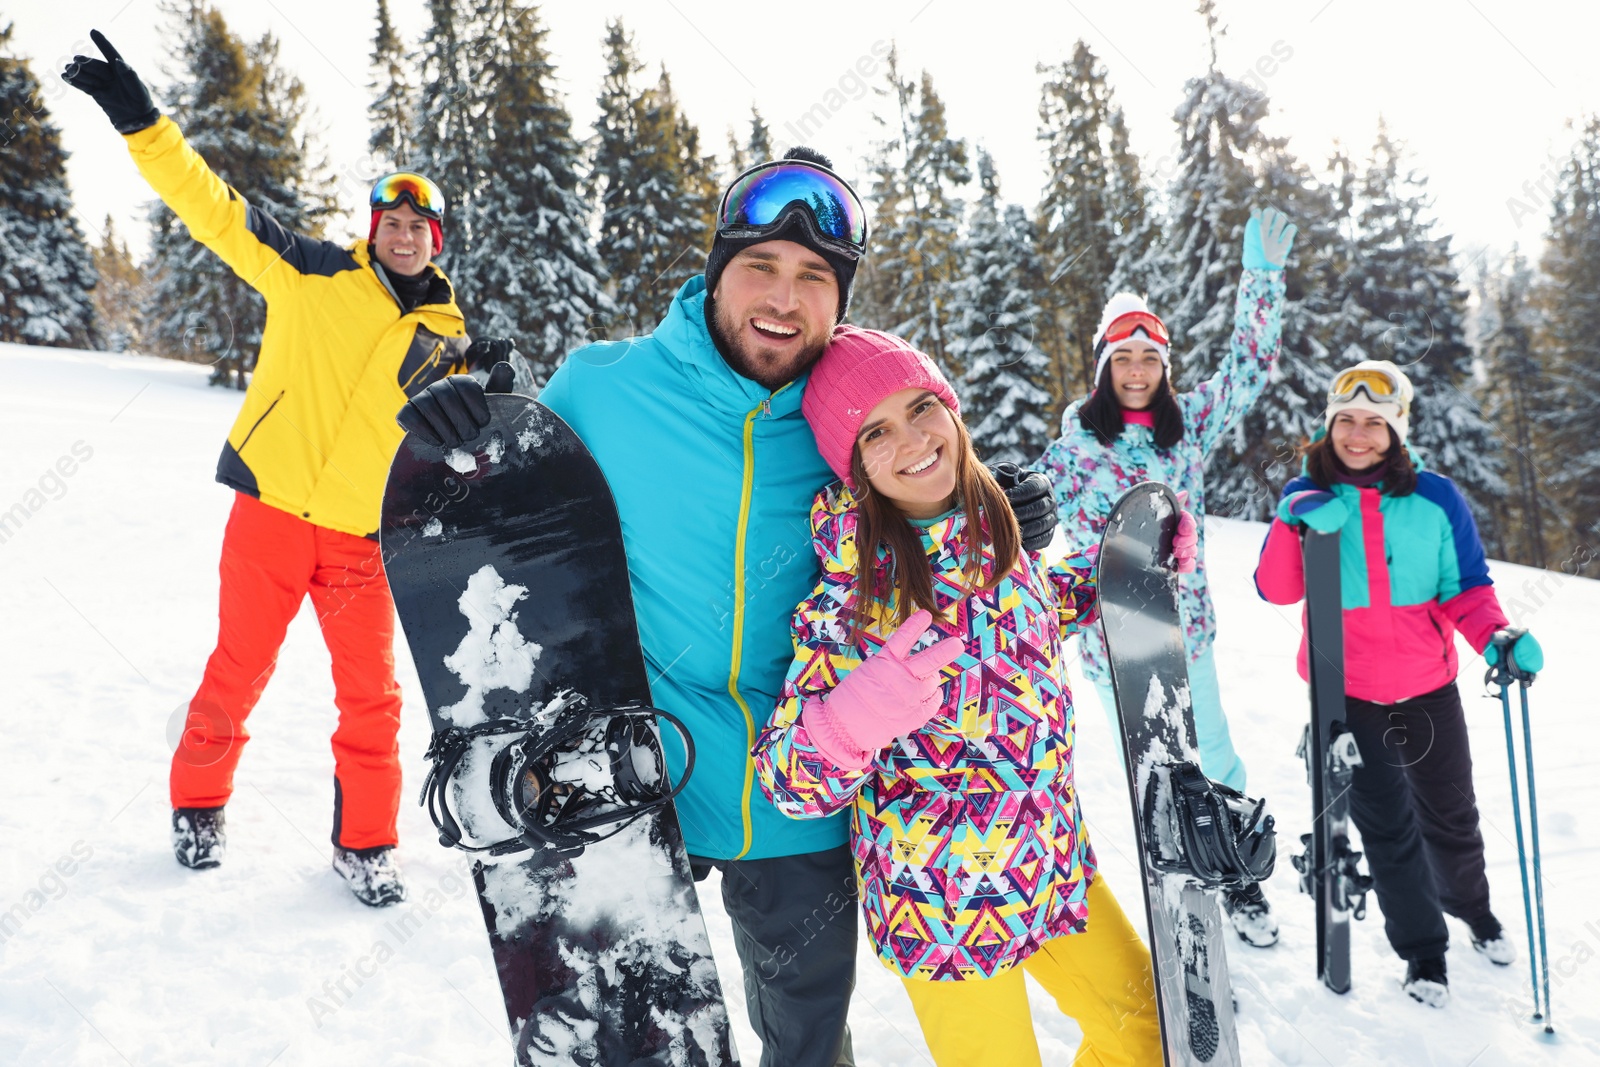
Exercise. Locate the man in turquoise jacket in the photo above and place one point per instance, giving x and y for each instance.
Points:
(697, 427)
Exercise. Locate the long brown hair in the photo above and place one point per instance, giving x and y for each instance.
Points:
(1399, 473)
(907, 581)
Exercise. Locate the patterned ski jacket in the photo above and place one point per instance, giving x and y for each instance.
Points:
(338, 356)
(969, 846)
(1090, 477)
(1412, 572)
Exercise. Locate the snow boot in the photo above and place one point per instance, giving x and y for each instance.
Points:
(199, 837)
(1489, 938)
(1426, 981)
(371, 874)
(1251, 916)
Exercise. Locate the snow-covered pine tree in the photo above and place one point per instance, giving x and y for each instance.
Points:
(652, 186)
(1093, 209)
(1197, 271)
(393, 108)
(445, 142)
(47, 276)
(532, 273)
(1515, 396)
(755, 148)
(701, 189)
(992, 327)
(244, 113)
(1403, 277)
(116, 297)
(1568, 299)
(917, 172)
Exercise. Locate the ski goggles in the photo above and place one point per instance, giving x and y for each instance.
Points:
(762, 197)
(1380, 386)
(393, 189)
(1122, 328)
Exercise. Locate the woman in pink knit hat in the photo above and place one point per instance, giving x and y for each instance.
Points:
(928, 694)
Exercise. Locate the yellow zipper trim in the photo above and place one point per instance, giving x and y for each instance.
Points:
(765, 407)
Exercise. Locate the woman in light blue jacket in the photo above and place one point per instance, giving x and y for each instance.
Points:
(1134, 427)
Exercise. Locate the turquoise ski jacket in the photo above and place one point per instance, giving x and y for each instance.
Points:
(714, 478)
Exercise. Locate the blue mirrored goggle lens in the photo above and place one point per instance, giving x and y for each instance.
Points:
(759, 199)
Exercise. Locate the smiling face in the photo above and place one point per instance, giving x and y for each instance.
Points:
(909, 449)
(1360, 439)
(1136, 370)
(404, 241)
(775, 306)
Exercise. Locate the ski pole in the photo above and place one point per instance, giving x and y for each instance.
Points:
(1538, 880)
(1522, 855)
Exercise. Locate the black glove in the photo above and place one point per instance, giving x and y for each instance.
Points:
(114, 86)
(1033, 502)
(453, 410)
(485, 352)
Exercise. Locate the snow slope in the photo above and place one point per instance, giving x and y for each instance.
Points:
(110, 953)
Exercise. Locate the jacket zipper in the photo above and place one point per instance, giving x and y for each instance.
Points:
(258, 422)
(764, 409)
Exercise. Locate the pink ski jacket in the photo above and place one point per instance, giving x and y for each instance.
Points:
(1413, 572)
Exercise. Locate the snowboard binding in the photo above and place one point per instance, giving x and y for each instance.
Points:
(549, 809)
(1205, 830)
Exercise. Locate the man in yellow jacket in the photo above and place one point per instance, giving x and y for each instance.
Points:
(351, 333)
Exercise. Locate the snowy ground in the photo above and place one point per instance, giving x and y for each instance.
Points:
(110, 953)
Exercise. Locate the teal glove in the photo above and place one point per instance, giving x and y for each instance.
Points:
(1268, 236)
(1526, 658)
(1316, 508)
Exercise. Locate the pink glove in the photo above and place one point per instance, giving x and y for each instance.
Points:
(1186, 542)
(889, 695)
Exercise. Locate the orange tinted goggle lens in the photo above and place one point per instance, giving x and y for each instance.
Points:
(423, 195)
(1375, 383)
(1122, 327)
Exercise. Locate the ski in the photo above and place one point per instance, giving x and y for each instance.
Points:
(1191, 830)
(507, 566)
(1329, 870)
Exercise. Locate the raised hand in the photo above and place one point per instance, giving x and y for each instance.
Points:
(1268, 236)
(114, 86)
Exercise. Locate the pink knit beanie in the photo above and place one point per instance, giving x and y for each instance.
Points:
(859, 369)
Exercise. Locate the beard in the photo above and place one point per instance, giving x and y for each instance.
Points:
(750, 359)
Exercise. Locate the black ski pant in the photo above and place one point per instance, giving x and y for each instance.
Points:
(794, 923)
(1413, 801)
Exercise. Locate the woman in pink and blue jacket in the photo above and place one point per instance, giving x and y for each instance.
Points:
(1413, 575)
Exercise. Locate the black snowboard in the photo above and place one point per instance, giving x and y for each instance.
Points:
(1329, 870)
(1138, 593)
(507, 566)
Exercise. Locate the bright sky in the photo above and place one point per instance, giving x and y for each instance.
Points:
(1481, 90)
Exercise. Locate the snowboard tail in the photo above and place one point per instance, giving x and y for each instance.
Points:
(506, 562)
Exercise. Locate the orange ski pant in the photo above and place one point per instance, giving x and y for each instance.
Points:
(271, 560)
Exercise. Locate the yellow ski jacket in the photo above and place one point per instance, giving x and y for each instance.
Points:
(338, 356)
